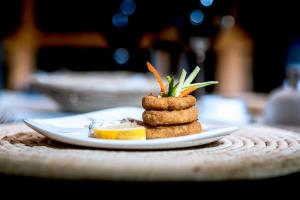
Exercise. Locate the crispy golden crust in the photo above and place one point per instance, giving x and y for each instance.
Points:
(173, 131)
(165, 117)
(168, 103)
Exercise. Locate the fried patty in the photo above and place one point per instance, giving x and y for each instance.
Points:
(165, 117)
(168, 103)
(173, 131)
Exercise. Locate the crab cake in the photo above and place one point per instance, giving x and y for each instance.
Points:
(173, 131)
(165, 117)
(168, 103)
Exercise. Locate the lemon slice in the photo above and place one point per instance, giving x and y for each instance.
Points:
(120, 132)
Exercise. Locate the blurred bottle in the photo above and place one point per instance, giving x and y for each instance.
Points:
(283, 105)
(233, 47)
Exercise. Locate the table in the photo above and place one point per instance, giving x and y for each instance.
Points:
(240, 186)
(253, 152)
(81, 186)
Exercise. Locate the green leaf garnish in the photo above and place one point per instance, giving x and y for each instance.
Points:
(171, 86)
(192, 76)
(175, 90)
(203, 84)
(180, 83)
(169, 79)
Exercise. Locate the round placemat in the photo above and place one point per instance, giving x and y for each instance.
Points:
(253, 152)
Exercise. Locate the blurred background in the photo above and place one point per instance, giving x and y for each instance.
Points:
(54, 47)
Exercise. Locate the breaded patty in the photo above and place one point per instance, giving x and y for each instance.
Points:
(173, 131)
(168, 103)
(165, 117)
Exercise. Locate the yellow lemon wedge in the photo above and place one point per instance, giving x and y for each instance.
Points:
(136, 133)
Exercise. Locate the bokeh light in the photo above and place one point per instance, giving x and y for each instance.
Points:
(197, 17)
(120, 20)
(121, 56)
(128, 7)
(206, 3)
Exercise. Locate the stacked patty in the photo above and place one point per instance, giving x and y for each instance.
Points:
(170, 116)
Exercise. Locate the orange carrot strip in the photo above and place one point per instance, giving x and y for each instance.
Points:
(157, 76)
(188, 91)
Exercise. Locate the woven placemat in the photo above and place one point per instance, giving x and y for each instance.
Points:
(251, 153)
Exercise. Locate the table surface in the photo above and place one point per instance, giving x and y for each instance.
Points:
(234, 188)
(27, 105)
(253, 152)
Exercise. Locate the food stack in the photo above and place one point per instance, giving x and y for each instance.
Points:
(170, 116)
(173, 113)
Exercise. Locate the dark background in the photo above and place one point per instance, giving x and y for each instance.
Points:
(272, 25)
(39, 188)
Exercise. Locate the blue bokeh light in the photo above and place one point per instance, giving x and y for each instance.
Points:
(121, 56)
(196, 17)
(206, 3)
(127, 7)
(120, 20)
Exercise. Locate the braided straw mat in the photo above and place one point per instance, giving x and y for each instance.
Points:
(251, 153)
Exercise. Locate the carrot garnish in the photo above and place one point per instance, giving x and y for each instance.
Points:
(157, 76)
(187, 91)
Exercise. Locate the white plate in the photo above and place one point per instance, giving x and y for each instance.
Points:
(56, 129)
